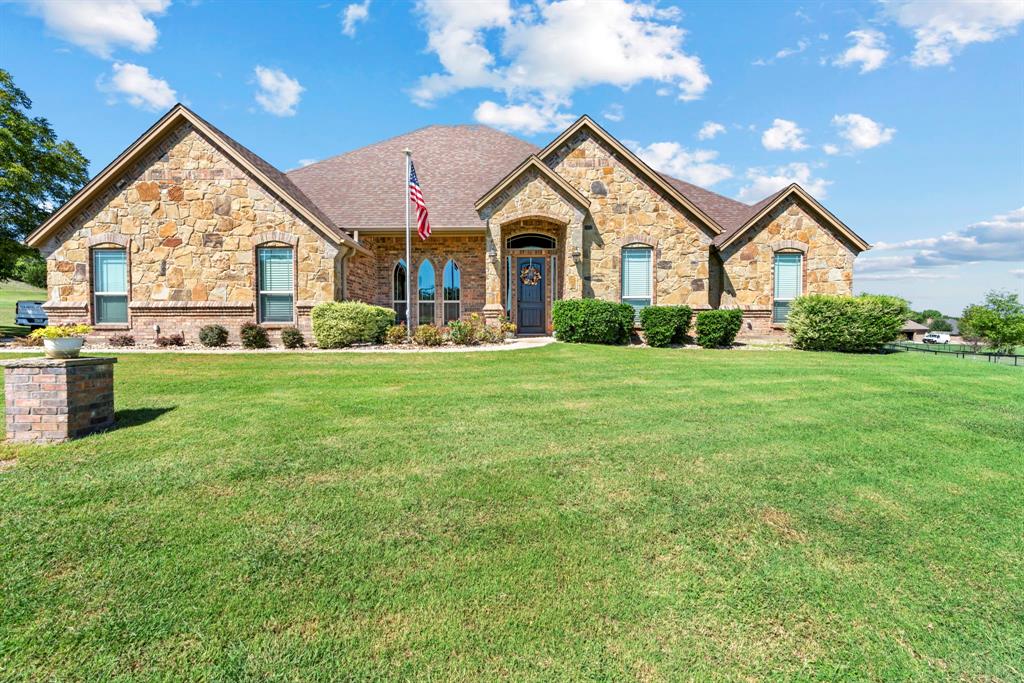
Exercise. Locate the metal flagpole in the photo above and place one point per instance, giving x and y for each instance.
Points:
(408, 248)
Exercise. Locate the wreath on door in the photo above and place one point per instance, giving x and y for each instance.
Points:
(529, 275)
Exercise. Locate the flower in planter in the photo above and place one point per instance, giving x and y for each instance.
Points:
(61, 332)
(62, 341)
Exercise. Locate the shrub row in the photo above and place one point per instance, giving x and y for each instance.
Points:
(253, 336)
(592, 321)
(664, 325)
(820, 322)
(459, 332)
(719, 327)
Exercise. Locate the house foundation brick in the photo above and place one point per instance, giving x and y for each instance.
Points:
(52, 400)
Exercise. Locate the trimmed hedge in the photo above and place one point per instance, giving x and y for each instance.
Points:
(592, 321)
(213, 335)
(292, 338)
(254, 336)
(824, 322)
(718, 327)
(664, 325)
(342, 323)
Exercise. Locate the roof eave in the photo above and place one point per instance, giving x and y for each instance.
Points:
(534, 162)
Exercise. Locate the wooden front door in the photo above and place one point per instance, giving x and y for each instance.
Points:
(529, 274)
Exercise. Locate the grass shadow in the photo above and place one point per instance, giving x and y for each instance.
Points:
(134, 417)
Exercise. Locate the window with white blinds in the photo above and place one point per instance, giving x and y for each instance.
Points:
(276, 284)
(788, 283)
(110, 285)
(637, 276)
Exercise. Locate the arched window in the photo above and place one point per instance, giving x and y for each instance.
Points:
(530, 240)
(637, 276)
(276, 279)
(425, 291)
(398, 298)
(789, 271)
(452, 291)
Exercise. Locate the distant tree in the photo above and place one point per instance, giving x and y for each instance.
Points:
(999, 321)
(940, 325)
(38, 172)
(930, 314)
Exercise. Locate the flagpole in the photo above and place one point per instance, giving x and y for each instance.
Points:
(408, 248)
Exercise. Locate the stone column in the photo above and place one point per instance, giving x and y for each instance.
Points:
(52, 400)
(573, 282)
(493, 308)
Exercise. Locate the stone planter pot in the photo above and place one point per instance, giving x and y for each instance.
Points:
(65, 347)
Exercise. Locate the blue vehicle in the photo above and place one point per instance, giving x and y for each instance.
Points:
(30, 314)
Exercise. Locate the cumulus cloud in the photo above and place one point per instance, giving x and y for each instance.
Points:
(860, 132)
(135, 84)
(1000, 238)
(942, 28)
(353, 15)
(522, 118)
(830, 149)
(306, 162)
(614, 112)
(546, 51)
(783, 135)
(278, 92)
(764, 182)
(869, 50)
(100, 26)
(697, 166)
(709, 130)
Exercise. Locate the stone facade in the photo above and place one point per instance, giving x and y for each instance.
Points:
(191, 221)
(50, 401)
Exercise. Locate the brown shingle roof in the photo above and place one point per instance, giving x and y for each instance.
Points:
(456, 165)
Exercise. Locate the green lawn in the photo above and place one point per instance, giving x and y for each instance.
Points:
(12, 292)
(562, 513)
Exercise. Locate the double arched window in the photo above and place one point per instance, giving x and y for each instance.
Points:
(426, 293)
(398, 297)
(452, 289)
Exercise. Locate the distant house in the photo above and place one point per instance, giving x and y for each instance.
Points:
(188, 227)
(913, 331)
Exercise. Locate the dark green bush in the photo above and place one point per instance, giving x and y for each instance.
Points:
(821, 322)
(213, 335)
(343, 323)
(664, 325)
(462, 333)
(254, 336)
(718, 327)
(428, 335)
(31, 269)
(292, 338)
(592, 321)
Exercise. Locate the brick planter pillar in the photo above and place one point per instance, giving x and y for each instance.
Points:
(52, 400)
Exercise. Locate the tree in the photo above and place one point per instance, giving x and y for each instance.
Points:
(930, 314)
(940, 325)
(38, 172)
(999, 321)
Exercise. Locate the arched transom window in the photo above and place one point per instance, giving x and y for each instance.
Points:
(530, 240)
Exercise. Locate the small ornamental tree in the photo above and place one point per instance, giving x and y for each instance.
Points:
(999, 321)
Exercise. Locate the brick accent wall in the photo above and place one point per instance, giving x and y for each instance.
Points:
(50, 400)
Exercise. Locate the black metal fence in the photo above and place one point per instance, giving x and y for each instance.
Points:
(959, 351)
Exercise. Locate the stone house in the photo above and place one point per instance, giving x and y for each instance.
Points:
(187, 227)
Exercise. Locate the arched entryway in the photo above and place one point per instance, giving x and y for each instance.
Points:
(533, 255)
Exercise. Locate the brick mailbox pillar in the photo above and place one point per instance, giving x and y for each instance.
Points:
(52, 400)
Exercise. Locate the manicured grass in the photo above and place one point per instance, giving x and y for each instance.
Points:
(561, 513)
(11, 292)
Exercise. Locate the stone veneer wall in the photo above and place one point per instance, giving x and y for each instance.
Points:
(370, 280)
(191, 220)
(625, 208)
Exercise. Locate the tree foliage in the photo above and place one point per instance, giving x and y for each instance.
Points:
(940, 325)
(999, 321)
(38, 172)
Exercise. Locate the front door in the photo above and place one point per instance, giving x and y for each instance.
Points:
(530, 316)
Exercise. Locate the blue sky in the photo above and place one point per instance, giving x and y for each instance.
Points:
(906, 117)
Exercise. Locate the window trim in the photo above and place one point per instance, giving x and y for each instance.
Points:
(420, 302)
(96, 293)
(261, 292)
(636, 246)
(444, 291)
(399, 313)
(775, 276)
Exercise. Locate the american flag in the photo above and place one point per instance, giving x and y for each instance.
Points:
(416, 195)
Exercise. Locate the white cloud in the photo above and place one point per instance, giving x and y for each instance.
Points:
(783, 135)
(522, 118)
(695, 166)
(546, 51)
(1017, 272)
(1000, 238)
(306, 162)
(138, 87)
(354, 14)
(869, 49)
(860, 132)
(830, 149)
(943, 28)
(801, 45)
(765, 182)
(278, 92)
(101, 25)
(614, 112)
(709, 130)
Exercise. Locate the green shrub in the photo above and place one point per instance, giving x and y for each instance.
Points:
(462, 332)
(292, 338)
(254, 336)
(428, 335)
(31, 269)
(213, 335)
(718, 327)
(396, 334)
(823, 322)
(343, 323)
(592, 321)
(664, 325)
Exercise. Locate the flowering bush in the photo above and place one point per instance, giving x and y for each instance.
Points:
(61, 331)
